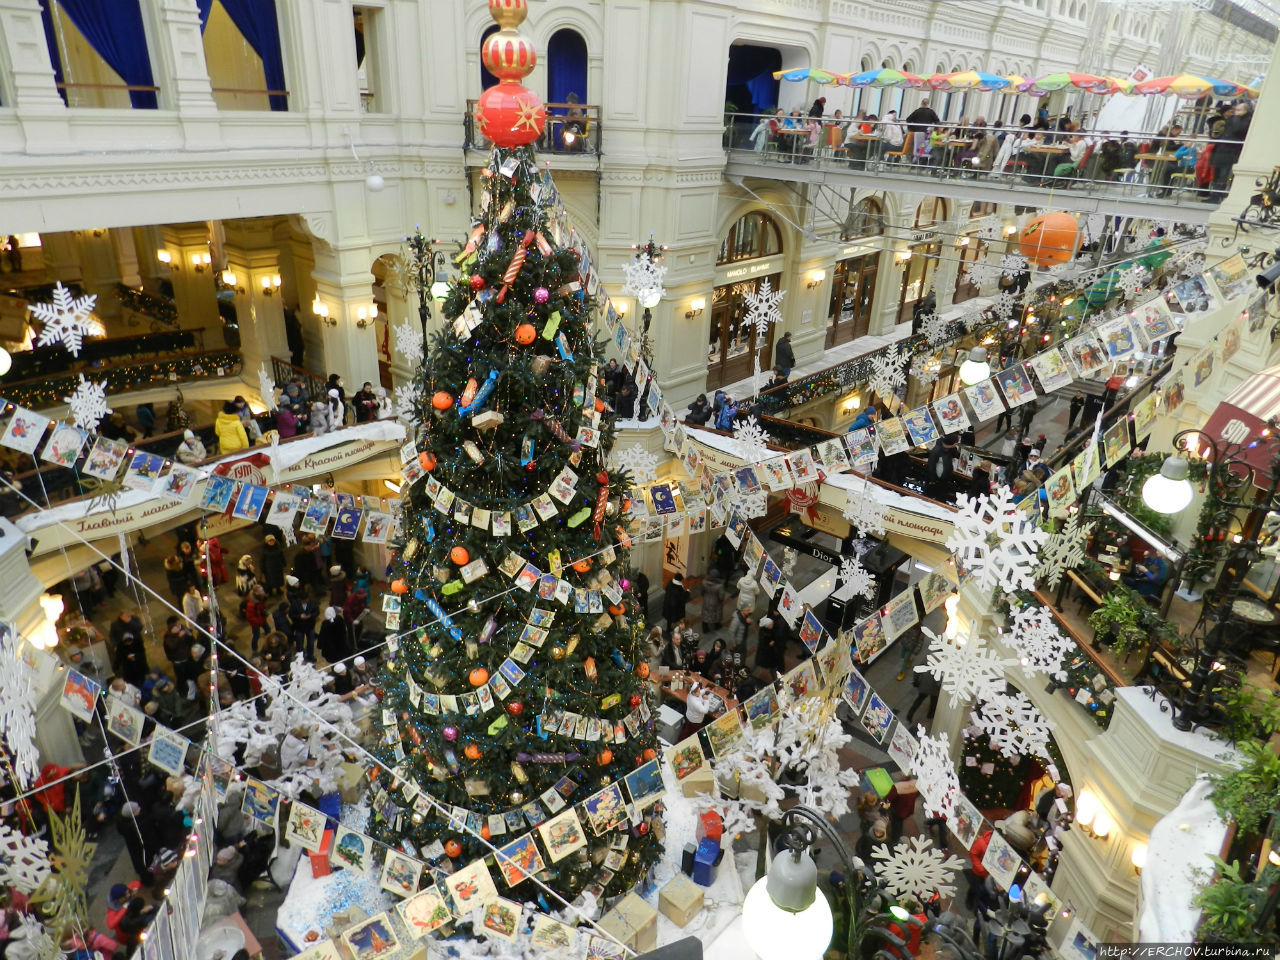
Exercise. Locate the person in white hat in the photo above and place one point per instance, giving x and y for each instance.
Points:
(191, 450)
(337, 410)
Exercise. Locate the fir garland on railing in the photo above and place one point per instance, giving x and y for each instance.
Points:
(139, 301)
(48, 392)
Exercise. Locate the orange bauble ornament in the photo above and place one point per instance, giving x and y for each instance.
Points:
(460, 556)
(484, 832)
(472, 751)
(605, 758)
(427, 460)
(525, 334)
(617, 610)
(1050, 239)
(454, 849)
(650, 753)
(478, 677)
(582, 566)
(600, 405)
(642, 670)
(442, 400)
(399, 586)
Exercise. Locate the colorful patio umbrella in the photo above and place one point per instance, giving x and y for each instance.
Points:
(1057, 81)
(807, 73)
(938, 81)
(1183, 85)
(1120, 85)
(1014, 82)
(973, 80)
(886, 78)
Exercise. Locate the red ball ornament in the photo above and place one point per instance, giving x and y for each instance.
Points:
(442, 400)
(484, 832)
(511, 115)
(459, 555)
(650, 753)
(635, 700)
(515, 708)
(477, 282)
(478, 677)
(642, 828)
(582, 566)
(454, 849)
(525, 334)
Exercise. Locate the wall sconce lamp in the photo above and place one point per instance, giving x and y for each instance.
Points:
(1010, 229)
(270, 284)
(1138, 858)
(366, 315)
(228, 278)
(697, 305)
(321, 310)
(99, 231)
(1091, 818)
(816, 277)
(962, 241)
(164, 256)
(902, 256)
(622, 306)
(200, 260)
(44, 635)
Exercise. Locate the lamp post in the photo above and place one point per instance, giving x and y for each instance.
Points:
(644, 279)
(1230, 482)
(786, 917)
(975, 369)
(425, 263)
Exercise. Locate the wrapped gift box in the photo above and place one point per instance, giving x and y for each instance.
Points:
(698, 783)
(877, 779)
(710, 825)
(633, 922)
(680, 900)
(670, 724)
(705, 862)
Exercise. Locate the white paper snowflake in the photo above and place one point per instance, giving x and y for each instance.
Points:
(18, 708)
(66, 319)
(1131, 281)
(935, 773)
(973, 317)
(267, 387)
(916, 868)
(864, 511)
(406, 398)
(409, 340)
(1014, 726)
(965, 668)
(24, 860)
(644, 277)
(39, 943)
(750, 505)
(1012, 264)
(1063, 550)
(982, 272)
(925, 370)
(1005, 305)
(88, 403)
(888, 374)
(995, 542)
(290, 535)
(1037, 642)
(855, 580)
(642, 464)
(755, 441)
(763, 308)
(936, 329)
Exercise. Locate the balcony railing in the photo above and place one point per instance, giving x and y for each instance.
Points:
(44, 391)
(572, 129)
(1114, 163)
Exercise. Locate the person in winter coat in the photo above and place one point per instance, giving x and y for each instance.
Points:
(337, 409)
(245, 413)
(335, 383)
(771, 645)
(230, 429)
(212, 549)
(626, 405)
(748, 591)
(191, 450)
(192, 602)
(335, 643)
(673, 655)
(303, 613)
(272, 565)
(674, 600)
(867, 418)
(255, 614)
(354, 611)
(784, 357)
(339, 587)
(728, 413)
(319, 421)
(286, 423)
(129, 653)
(712, 601)
(176, 575)
(246, 575)
(366, 403)
(740, 628)
(699, 411)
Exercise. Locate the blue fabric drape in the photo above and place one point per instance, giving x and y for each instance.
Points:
(752, 67)
(256, 21)
(114, 29)
(566, 66)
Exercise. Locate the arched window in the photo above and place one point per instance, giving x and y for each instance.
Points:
(866, 219)
(932, 210)
(755, 235)
(487, 79)
(566, 66)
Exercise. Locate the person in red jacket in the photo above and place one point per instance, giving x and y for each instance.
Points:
(255, 614)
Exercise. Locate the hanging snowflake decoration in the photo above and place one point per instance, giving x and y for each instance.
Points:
(914, 867)
(290, 535)
(38, 943)
(855, 580)
(1013, 264)
(1063, 551)
(751, 505)
(267, 387)
(965, 668)
(982, 272)
(865, 512)
(643, 278)
(88, 403)
(1131, 282)
(763, 308)
(996, 542)
(972, 318)
(990, 229)
(24, 860)
(1005, 305)
(936, 329)
(67, 319)
(1014, 726)
(639, 462)
(18, 709)
(925, 370)
(755, 441)
(1038, 643)
(407, 399)
(935, 774)
(888, 375)
(409, 340)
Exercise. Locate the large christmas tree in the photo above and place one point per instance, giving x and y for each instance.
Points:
(517, 697)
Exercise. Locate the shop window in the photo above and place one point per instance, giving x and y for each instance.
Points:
(917, 278)
(931, 212)
(373, 88)
(980, 209)
(243, 54)
(853, 290)
(755, 235)
(99, 53)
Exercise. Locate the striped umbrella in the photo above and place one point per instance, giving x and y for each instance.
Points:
(973, 80)
(938, 81)
(1183, 85)
(1014, 82)
(808, 73)
(1057, 81)
(885, 78)
(1120, 85)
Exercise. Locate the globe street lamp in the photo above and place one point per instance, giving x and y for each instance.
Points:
(976, 368)
(1169, 491)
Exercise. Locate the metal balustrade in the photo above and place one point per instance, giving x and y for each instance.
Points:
(565, 134)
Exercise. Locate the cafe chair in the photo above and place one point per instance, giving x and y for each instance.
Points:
(904, 151)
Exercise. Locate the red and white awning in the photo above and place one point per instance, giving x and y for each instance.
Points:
(1241, 418)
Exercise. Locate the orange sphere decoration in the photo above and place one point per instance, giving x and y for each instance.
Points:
(460, 556)
(399, 586)
(605, 758)
(454, 849)
(511, 115)
(442, 400)
(1050, 239)
(617, 610)
(472, 751)
(484, 832)
(427, 460)
(650, 753)
(600, 405)
(478, 677)
(525, 334)
(582, 566)
(642, 670)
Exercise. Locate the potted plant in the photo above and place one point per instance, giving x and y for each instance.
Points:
(1116, 622)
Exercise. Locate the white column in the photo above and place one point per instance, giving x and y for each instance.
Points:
(30, 86)
(181, 72)
(252, 257)
(193, 287)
